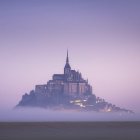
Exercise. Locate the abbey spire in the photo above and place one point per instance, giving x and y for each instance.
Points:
(67, 67)
(67, 59)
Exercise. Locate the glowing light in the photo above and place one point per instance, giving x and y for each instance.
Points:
(77, 101)
(71, 101)
(108, 110)
(78, 104)
(82, 105)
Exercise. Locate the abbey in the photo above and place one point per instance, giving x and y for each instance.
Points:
(69, 83)
(67, 91)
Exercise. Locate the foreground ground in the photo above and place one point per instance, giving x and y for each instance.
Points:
(70, 130)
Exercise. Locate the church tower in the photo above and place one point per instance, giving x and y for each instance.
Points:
(67, 68)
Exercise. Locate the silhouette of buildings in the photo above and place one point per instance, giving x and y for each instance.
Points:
(70, 83)
(67, 91)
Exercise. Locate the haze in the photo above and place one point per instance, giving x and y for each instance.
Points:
(40, 115)
(103, 38)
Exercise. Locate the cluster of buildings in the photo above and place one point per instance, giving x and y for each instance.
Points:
(69, 83)
(68, 90)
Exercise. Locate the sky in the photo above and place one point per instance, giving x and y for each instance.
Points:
(102, 36)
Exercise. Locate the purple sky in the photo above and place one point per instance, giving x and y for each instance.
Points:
(103, 38)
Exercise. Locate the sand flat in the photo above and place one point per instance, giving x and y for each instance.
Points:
(70, 130)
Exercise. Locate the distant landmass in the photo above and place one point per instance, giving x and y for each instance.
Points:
(67, 91)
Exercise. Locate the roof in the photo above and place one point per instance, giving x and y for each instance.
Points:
(67, 65)
(58, 76)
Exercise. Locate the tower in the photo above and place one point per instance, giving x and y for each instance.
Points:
(67, 68)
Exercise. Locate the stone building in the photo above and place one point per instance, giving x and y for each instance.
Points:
(70, 83)
(67, 91)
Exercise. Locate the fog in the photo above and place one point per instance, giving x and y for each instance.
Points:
(39, 115)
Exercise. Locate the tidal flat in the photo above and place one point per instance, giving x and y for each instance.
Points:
(70, 130)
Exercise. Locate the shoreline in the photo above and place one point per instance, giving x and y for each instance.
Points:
(70, 130)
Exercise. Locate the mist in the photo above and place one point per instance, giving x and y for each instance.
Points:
(46, 115)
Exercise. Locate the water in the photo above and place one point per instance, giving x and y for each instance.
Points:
(70, 130)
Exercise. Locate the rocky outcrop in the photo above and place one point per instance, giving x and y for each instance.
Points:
(79, 103)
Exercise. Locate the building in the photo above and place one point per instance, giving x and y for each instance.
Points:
(67, 91)
(69, 83)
